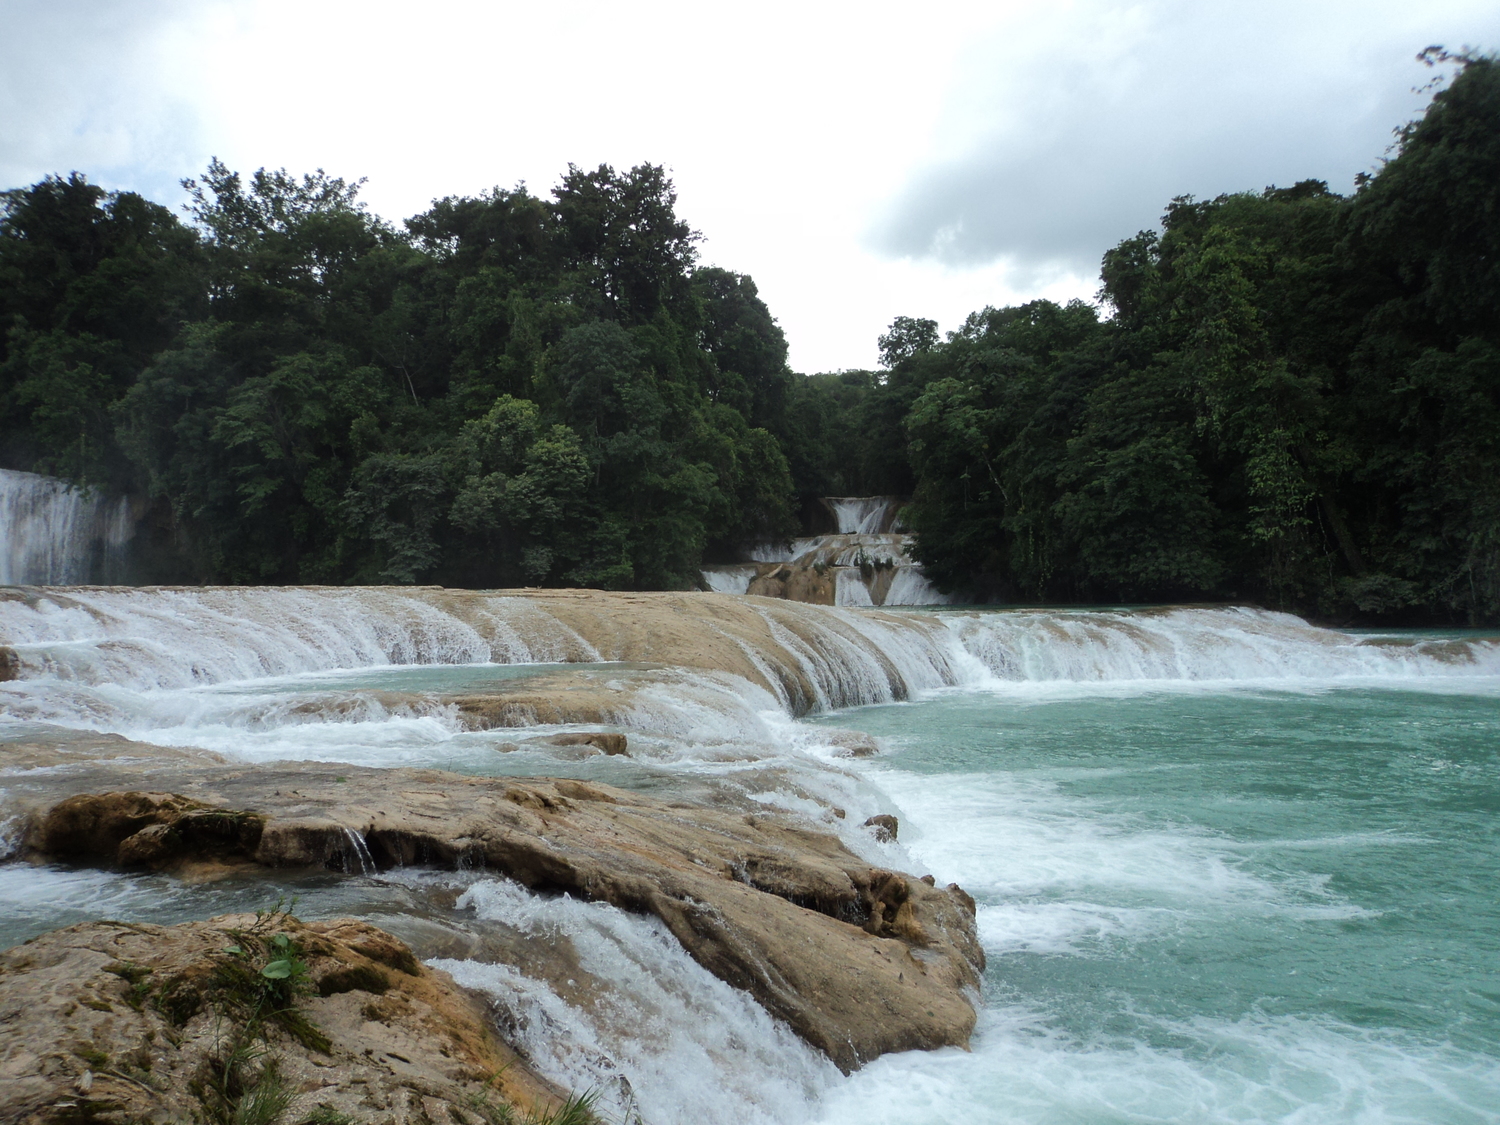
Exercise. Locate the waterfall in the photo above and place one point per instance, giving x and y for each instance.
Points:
(140, 659)
(360, 853)
(909, 586)
(867, 554)
(863, 515)
(733, 579)
(55, 534)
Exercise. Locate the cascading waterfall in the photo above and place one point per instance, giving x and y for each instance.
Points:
(357, 855)
(864, 515)
(673, 1046)
(102, 654)
(310, 673)
(732, 579)
(53, 533)
(867, 559)
(173, 638)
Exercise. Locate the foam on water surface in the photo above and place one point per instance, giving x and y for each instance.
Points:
(1230, 866)
(1207, 1072)
(669, 1041)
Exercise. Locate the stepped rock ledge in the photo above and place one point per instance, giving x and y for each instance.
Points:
(857, 959)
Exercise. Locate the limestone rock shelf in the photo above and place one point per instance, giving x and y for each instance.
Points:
(857, 959)
(117, 1022)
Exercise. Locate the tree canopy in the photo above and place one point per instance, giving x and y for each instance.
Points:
(1293, 401)
(1286, 396)
(509, 389)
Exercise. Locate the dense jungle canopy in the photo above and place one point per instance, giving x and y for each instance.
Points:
(1287, 396)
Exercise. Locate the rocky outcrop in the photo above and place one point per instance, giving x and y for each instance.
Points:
(859, 960)
(114, 1022)
(813, 585)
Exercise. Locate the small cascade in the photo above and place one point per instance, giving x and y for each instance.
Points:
(357, 852)
(865, 562)
(732, 579)
(864, 515)
(55, 534)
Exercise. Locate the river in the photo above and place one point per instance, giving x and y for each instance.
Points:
(1229, 867)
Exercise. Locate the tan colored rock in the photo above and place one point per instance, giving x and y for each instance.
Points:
(886, 827)
(811, 585)
(114, 1022)
(851, 743)
(753, 638)
(858, 960)
(609, 742)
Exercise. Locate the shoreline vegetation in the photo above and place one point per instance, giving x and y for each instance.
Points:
(1285, 397)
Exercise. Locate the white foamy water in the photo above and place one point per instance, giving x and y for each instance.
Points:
(849, 588)
(865, 546)
(911, 586)
(670, 1040)
(733, 579)
(308, 674)
(1200, 645)
(52, 533)
(863, 515)
(244, 671)
(1238, 1072)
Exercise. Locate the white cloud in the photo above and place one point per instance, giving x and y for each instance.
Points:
(86, 85)
(861, 160)
(1072, 129)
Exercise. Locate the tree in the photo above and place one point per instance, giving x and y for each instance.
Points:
(906, 337)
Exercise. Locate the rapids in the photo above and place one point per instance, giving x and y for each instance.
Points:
(1230, 866)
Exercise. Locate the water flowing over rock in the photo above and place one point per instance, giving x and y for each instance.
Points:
(53, 533)
(158, 735)
(864, 562)
(864, 515)
(857, 959)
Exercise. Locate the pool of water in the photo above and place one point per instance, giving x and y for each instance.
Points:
(1217, 905)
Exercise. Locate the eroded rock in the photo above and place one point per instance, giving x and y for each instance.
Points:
(851, 743)
(113, 1022)
(609, 742)
(857, 959)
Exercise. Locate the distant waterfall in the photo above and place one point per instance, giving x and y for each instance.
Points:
(53, 533)
(864, 515)
(865, 562)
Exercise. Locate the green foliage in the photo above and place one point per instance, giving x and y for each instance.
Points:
(92, 285)
(255, 984)
(1294, 397)
(325, 1114)
(1295, 400)
(576, 1109)
(511, 390)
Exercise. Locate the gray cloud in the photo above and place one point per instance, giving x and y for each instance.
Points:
(82, 86)
(1084, 126)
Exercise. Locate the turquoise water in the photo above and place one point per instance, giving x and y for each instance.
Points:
(1229, 867)
(1209, 906)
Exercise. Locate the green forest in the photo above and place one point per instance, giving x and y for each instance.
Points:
(1284, 396)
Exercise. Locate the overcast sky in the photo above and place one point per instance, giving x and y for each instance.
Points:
(860, 160)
